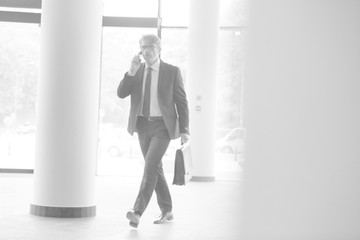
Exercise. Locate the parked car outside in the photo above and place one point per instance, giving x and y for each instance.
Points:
(26, 128)
(117, 142)
(232, 142)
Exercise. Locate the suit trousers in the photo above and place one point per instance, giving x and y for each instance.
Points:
(154, 141)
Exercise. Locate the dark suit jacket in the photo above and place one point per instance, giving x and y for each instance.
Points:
(171, 97)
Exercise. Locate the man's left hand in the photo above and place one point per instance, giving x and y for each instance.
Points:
(184, 137)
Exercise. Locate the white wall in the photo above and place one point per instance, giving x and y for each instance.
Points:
(302, 170)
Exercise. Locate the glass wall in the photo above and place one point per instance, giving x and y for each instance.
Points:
(19, 58)
(175, 13)
(132, 8)
(119, 152)
(229, 87)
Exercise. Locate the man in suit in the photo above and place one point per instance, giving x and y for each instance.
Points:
(158, 113)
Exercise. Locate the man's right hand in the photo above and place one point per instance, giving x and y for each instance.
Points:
(135, 65)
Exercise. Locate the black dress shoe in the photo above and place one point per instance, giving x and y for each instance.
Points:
(134, 218)
(165, 218)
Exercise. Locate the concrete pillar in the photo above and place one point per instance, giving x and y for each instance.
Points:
(302, 169)
(67, 109)
(201, 81)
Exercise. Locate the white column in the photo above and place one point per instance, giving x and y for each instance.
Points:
(201, 81)
(67, 109)
(302, 169)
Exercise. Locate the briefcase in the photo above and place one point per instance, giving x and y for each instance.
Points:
(183, 165)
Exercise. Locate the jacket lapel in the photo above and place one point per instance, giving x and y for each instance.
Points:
(161, 77)
(140, 87)
(141, 73)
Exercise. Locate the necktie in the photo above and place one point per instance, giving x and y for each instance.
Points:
(146, 104)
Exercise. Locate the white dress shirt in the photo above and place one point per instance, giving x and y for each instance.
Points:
(154, 103)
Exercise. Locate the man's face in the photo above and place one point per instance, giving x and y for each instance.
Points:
(149, 51)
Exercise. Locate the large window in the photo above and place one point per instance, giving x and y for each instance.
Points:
(133, 8)
(119, 46)
(175, 13)
(19, 57)
(119, 152)
(124, 23)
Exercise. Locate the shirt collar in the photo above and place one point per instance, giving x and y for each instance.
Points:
(155, 66)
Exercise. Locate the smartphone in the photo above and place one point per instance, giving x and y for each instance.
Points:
(140, 54)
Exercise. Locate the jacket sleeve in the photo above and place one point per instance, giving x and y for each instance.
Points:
(125, 86)
(181, 103)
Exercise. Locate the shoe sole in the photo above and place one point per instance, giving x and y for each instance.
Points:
(164, 221)
(134, 221)
(134, 225)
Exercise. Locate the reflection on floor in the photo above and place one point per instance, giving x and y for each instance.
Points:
(201, 211)
(227, 166)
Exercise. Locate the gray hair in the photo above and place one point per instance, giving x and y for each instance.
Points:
(153, 38)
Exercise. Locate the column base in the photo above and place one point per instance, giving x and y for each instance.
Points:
(63, 212)
(202, 179)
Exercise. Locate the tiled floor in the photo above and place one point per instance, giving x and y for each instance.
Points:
(201, 210)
